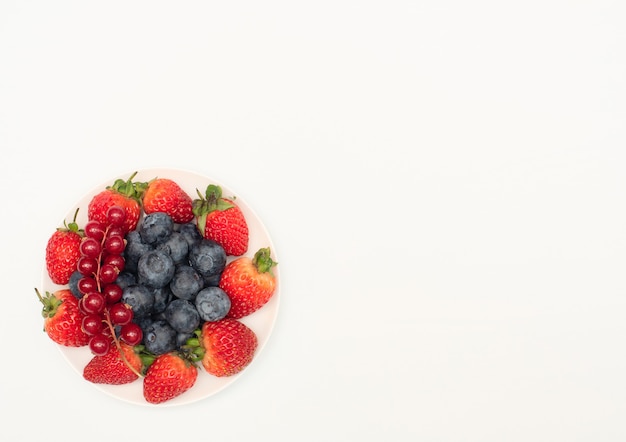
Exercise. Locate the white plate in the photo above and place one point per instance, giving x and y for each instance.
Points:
(261, 322)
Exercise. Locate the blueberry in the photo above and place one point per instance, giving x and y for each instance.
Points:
(182, 338)
(212, 281)
(155, 269)
(140, 298)
(190, 232)
(186, 282)
(159, 337)
(135, 248)
(125, 278)
(208, 258)
(73, 284)
(212, 303)
(182, 316)
(162, 297)
(176, 246)
(156, 227)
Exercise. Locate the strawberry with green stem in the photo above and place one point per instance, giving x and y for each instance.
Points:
(169, 376)
(126, 194)
(165, 195)
(63, 318)
(221, 220)
(63, 251)
(249, 282)
(224, 347)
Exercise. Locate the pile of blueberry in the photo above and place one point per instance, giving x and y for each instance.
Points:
(170, 280)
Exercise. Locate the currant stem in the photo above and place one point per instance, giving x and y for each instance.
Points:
(118, 345)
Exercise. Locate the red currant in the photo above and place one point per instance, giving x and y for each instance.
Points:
(99, 344)
(131, 333)
(87, 284)
(90, 247)
(92, 302)
(116, 215)
(112, 293)
(108, 274)
(92, 324)
(121, 314)
(114, 244)
(116, 261)
(94, 229)
(87, 266)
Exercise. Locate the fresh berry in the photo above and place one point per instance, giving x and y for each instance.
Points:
(125, 194)
(155, 269)
(159, 337)
(169, 376)
(221, 220)
(156, 228)
(228, 345)
(63, 319)
(113, 368)
(182, 316)
(208, 258)
(165, 195)
(63, 252)
(186, 282)
(212, 303)
(249, 283)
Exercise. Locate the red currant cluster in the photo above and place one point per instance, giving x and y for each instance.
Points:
(107, 320)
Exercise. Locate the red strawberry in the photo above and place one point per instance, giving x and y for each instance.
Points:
(63, 252)
(165, 195)
(249, 283)
(63, 318)
(169, 376)
(229, 346)
(221, 220)
(113, 368)
(125, 194)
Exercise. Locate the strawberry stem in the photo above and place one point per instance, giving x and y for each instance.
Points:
(263, 261)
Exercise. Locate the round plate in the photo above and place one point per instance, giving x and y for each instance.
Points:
(261, 322)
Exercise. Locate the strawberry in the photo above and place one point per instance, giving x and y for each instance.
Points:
(63, 252)
(221, 220)
(125, 194)
(118, 366)
(63, 318)
(165, 195)
(169, 376)
(249, 283)
(228, 346)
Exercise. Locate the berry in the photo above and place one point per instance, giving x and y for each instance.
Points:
(176, 246)
(155, 269)
(159, 337)
(212, 303)
(168, 377)
(249, 283)
(186, 282)
(165, 195)
(99, 344)
(140, 298)
(229, 346)
(113, 368)
(156, 228)
(189, 231)
(63, 252)
(131, 333)
(182, 316)
(125, 194)
(208, 258)
(221, 220)
(63, 318)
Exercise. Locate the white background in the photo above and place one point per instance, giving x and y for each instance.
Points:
(443, 182)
